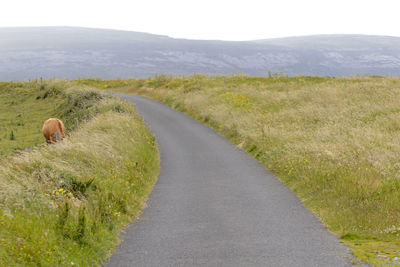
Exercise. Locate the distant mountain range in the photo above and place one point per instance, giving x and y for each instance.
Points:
(68, 52)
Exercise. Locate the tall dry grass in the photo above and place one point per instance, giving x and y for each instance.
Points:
(334, 141)
(65, 204)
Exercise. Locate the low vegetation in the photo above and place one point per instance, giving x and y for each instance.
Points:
(334, 141)
(65, 204)
(23, 109)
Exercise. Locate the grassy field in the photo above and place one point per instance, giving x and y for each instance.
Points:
(65, 204)
(334, 141)
(23, 109)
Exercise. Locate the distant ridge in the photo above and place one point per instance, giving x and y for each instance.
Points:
(70, 52)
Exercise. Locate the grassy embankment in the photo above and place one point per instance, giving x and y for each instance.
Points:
(65, 204)
(333, 141)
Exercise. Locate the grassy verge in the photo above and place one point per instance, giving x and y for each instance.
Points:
(65, 204)
(334, 141)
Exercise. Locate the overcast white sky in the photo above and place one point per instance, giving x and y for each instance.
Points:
(211, 19)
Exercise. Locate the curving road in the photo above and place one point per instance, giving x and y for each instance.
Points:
(214, 205)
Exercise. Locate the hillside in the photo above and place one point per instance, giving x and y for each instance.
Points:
(67, 52)
(23, 109)
(66, 204)
(333, 141)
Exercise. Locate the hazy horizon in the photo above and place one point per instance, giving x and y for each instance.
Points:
(72, 52)
(151, 33)
(234, 20)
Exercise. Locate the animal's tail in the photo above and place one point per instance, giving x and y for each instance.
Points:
(59, 133)
(59, 126)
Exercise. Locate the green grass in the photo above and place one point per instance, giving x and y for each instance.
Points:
(23, 109)
(334, 141)
(65, 204)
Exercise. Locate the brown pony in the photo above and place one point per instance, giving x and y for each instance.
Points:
(50, 129)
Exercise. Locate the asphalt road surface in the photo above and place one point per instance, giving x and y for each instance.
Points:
(214, 205)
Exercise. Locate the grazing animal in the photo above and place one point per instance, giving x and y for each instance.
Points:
(51, 128)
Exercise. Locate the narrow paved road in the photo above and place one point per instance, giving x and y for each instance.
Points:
(214, 205)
